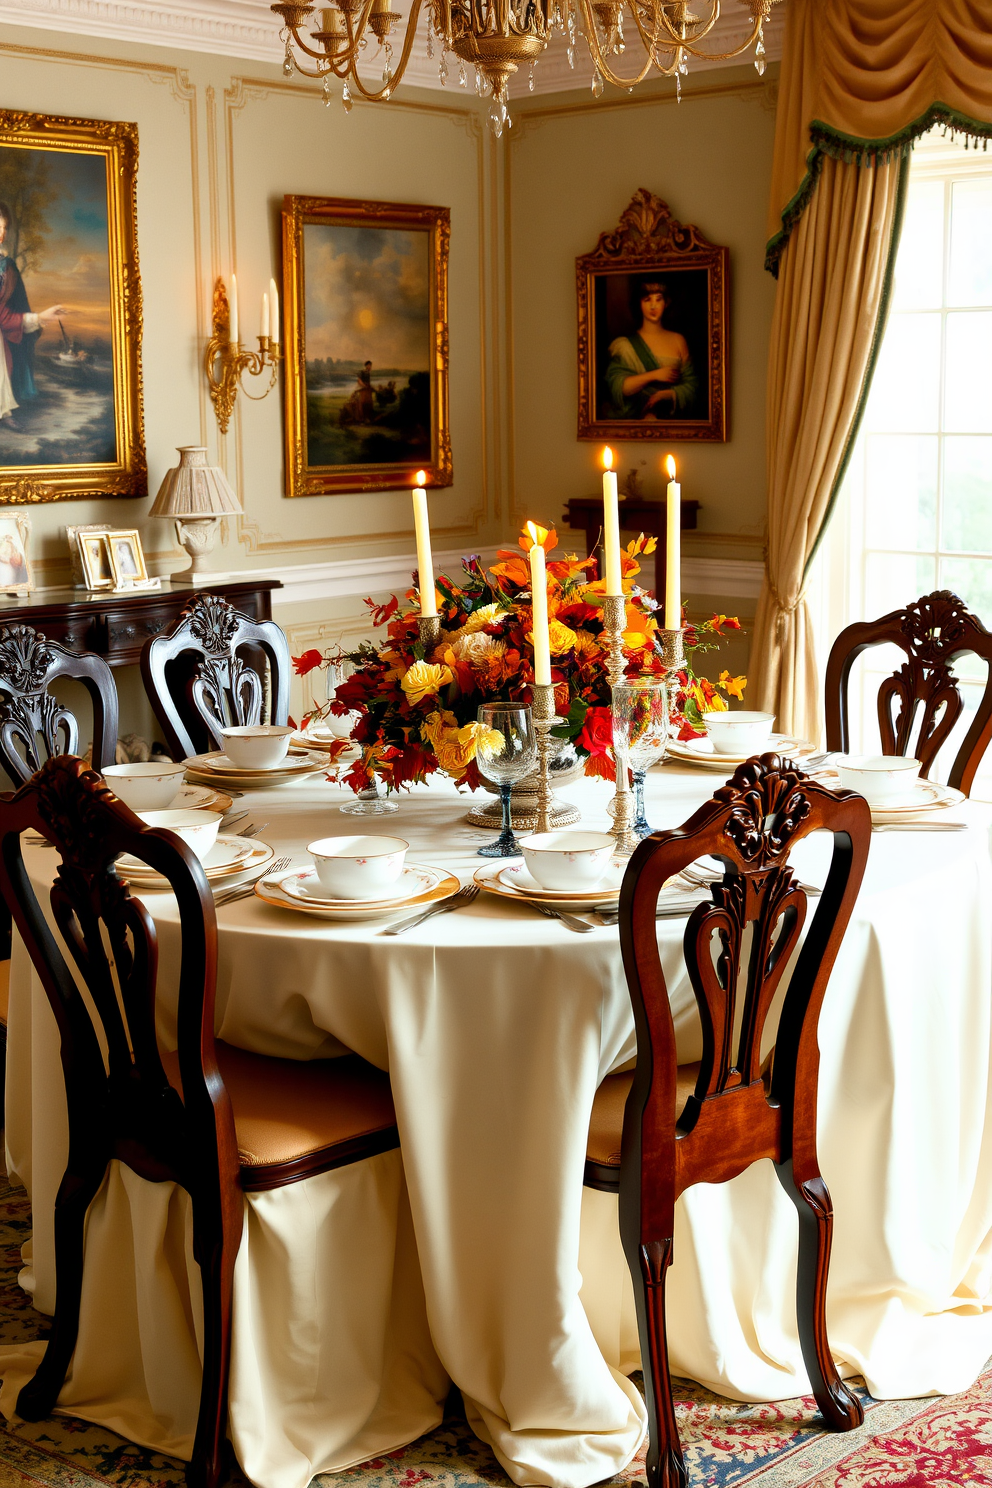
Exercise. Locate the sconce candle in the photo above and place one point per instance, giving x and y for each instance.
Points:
(225, 363)
(273, 312)
(611, 525)
(234, 310)
(673, 554)
(539, 606)
(264, 329)
(425, 559)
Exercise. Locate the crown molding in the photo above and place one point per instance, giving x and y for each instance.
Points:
(248, 29)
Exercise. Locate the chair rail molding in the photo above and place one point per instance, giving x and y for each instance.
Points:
(306, 583)
(248, 28)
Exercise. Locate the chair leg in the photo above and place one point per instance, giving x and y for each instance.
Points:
(208, 1466)
(665, 1464)
(76, 1192)
(841, 1409)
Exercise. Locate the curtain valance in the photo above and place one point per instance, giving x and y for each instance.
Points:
(864, 78)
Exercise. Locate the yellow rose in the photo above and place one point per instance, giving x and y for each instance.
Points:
(452, 755)
(561, 638)
(424, 679)
(435, 724)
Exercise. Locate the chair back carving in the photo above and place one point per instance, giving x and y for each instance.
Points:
(200, 681)
(738, 947)
(29, 664)
(923, 696)
(736, 1114)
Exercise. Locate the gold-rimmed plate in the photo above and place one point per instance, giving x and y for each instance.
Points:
(700, 752)
(438, 885)
(140, 876)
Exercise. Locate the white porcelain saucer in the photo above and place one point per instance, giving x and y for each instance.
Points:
(518, 877)
(201, 798)
(701, 752)
(490, 879)
(224, 765)
(270, 891)
(412, 881)
(228, 856)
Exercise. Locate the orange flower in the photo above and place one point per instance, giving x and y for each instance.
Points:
(733, 686)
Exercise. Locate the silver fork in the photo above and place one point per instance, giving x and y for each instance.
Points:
(454, 901)
(581, 927)
(241, 891)
(252, 830)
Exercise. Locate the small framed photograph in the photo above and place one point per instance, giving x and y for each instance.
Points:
(94, 558)
(15, 570)
(127, 559)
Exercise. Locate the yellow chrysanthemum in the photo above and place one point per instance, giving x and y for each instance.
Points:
(490, 614)
(562, 638)
(586, 644)
(424, 679)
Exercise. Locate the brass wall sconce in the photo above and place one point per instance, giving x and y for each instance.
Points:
(225, 363)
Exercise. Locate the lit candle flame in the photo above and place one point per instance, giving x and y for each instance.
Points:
(670, 467)
(421, 477)
(537, 534)
(607, 458)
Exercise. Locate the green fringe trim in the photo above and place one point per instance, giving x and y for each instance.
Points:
(829, 141)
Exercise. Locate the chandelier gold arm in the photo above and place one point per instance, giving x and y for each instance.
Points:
(725, 56)
(376, 96)
(599, 58)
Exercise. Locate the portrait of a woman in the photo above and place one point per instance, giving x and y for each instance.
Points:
(650, 374)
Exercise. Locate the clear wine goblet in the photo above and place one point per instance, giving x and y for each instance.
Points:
(506, 752)
(640, 730)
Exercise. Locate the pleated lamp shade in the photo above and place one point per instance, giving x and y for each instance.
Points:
(195, 489)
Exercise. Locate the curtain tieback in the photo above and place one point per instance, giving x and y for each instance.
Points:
(784, 608)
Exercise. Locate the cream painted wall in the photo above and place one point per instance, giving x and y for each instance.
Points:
(574, 164)
(221, 141)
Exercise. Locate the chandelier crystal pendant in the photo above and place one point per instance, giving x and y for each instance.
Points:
(497, 36)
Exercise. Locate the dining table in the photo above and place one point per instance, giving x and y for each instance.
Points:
(475, 1255)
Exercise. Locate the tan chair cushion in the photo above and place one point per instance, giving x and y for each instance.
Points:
(606, 1125)
(287, 1109)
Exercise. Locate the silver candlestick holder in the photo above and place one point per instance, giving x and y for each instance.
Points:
(542, 706)
(429, 627)
(622, 806)
(670, 647)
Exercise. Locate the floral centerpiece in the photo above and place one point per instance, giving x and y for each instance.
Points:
(417, 706)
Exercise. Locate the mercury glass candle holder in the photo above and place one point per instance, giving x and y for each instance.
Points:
(543, 711)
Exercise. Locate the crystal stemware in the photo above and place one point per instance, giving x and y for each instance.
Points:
(506, 752)
(640, 731)
(370, 801)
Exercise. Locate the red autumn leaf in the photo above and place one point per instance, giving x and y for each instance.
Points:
(307, 662)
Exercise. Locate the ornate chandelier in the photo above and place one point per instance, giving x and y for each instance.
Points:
(496, 36)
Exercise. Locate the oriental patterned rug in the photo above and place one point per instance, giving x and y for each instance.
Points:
(933, 1443)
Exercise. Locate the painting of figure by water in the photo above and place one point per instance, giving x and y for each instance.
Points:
(367, 345)
(57, 368)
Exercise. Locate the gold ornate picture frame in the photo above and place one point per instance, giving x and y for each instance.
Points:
(15, 565)
(653, 320)
(366, 345)
(71, 418)
(127, 558)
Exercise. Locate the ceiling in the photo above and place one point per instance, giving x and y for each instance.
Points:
(248, 29)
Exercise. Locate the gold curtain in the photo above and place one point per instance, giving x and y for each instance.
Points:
(832, 287)
(862, 78)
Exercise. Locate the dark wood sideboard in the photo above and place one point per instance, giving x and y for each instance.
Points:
(637, 514)
(116, 626)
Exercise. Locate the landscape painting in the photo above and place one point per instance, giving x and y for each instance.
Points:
(366, 387)
(70, 310)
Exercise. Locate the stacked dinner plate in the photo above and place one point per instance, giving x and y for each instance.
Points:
(218, 771)
(511, 879)
(701, 752)
(201, 798)
(232, 860)
(301, 889)
(922, 801)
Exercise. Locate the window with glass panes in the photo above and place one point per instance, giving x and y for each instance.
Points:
(915, 511)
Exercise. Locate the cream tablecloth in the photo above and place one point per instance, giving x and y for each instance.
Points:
(496, 1026)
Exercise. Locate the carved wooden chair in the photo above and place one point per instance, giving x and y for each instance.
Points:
(206, 674)
(29, 664)
(212, 1118)
(933, 632)
(656, 1132)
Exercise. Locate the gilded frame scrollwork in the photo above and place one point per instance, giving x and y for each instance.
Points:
(127, 474)
(303, 479)
(649, 242)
